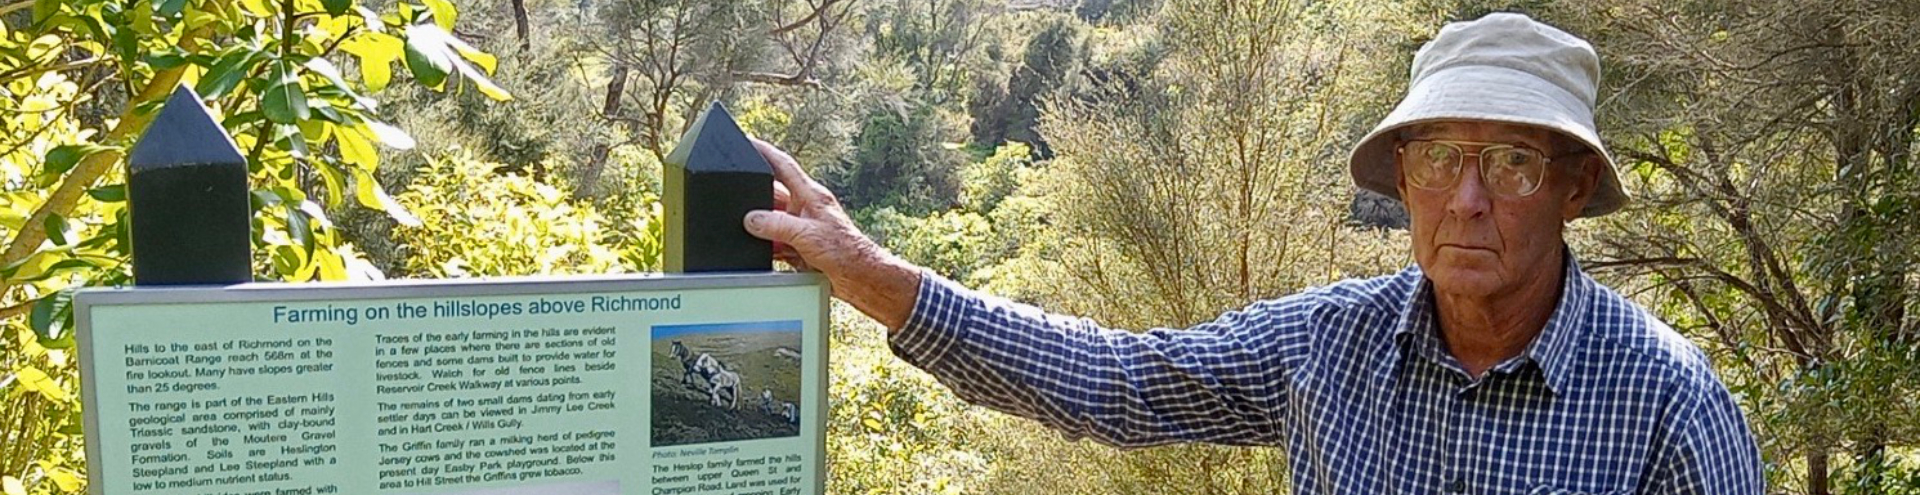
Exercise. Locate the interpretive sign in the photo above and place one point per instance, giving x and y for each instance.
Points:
(680, 384)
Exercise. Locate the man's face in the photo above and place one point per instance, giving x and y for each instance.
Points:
(1472, 239)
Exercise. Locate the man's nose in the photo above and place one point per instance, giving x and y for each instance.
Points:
(1469, 198)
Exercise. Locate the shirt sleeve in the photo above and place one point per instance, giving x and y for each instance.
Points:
(1708, 449)
(1224, 381)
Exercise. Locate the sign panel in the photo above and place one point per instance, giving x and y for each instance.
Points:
(683, 384)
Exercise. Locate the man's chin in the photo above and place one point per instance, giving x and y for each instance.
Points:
(1463, 280)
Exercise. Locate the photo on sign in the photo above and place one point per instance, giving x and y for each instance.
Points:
(726, 382)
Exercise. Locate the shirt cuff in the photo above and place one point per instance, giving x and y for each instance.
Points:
(936, 324)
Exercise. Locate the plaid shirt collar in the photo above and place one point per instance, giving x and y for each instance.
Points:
(1417, 329)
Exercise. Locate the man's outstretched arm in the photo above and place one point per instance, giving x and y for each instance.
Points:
(1222, 382)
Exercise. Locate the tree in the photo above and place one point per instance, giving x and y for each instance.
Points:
(1198, 183)
(1774, 146)
(1014, 115)
(89, 75)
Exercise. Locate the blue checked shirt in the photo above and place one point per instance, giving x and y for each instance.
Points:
(1354, 379)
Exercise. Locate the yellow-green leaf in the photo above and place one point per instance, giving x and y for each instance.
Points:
(331, 266)
(35, 380)
(141, 15)
(354, 147)
(260, 8)
(371, 195)
(326, 69)
(443, 13)
(34, 266)
(377, 52)
(64, 478)
(485, 85)
(486, 61)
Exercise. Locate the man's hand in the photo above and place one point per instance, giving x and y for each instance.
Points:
(812, 232)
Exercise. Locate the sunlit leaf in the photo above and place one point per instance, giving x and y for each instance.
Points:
(371, 19)
(427, 54)
(377, 52)
(355, 149)
(64, 479)
(43, 10)
(443, 13)
(327, 70)
(10, 485)
(141, 16)
(370, 194)
(34, 267)
(35, 380)
(316, 213)
(391, 136)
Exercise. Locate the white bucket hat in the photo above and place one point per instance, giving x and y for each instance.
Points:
(1500, 68)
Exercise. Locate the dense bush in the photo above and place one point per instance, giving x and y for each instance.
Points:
(488, 223)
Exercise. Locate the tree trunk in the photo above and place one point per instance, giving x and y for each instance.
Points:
(616, 87)
(520, 23)
(590, 176)
(1817, 471)
(597, 159)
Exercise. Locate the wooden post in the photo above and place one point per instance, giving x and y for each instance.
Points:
(187, 193)
(712, 179)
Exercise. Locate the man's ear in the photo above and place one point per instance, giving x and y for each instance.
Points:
(1585, 179)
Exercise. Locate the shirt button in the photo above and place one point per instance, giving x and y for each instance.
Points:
(1458, 485)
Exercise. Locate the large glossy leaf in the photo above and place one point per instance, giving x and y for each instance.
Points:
(427, 55)
(326, 70)
(226, 73)
(391, 136)
(35, 380)
(443, 13)
(429, 43)
(355, 149)
(285, 101)
(377, 52)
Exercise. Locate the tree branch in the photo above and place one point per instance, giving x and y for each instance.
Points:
(20, 5)
(89, 170)
(778, 79)
(7, 313)
(817, 11)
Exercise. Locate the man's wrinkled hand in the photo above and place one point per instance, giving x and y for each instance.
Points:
(811, 231)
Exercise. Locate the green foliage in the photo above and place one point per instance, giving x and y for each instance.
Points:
(1049, 56)
(82, 79)
(983, 185)
(489, 225)
(955, 243)
(1143, 162)
(903, 157)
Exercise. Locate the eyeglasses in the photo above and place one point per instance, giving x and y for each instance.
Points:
(1505, 170)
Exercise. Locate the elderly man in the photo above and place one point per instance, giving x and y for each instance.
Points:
(1493, 366)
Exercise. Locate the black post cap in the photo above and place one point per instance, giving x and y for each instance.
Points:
(712, 179)
(187, 198)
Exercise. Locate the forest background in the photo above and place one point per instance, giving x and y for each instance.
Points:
(1144, 162)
